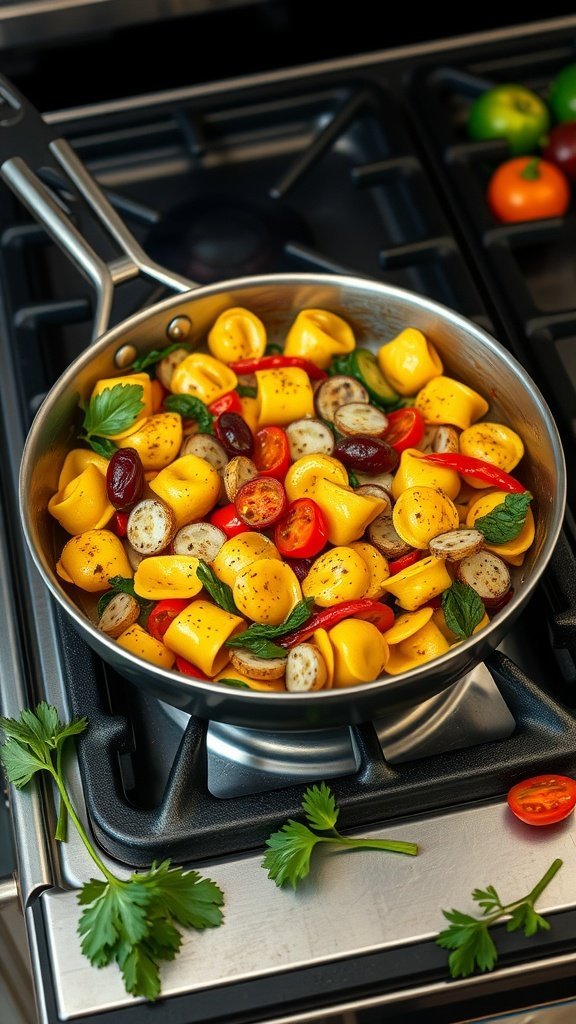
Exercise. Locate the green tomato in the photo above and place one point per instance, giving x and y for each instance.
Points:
(562, 96)
(510, 112)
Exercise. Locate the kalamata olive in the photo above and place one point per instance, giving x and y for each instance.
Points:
(300, 567)
(366, 454)
(234, 434)
(125, 479)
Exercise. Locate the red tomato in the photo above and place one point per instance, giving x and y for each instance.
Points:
(543, 799)
(405, 428)
(188, 669)
(230, 402)
(260, 502)
(227, 520)
(302, 531)
(271, 454)
(528, 188)
(163, 613)
(399, 564)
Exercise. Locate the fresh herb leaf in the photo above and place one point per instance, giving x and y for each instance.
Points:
(220, 592)
(272, 349)
(109, 413)
(124, 585)
(130, 922)
(191, 408)
(246, 391)
(258, 638)
(236, 683)
(505, 521)
(463, 609)
(155, 355)
(289, 852)
(468, 938)
(353, 479)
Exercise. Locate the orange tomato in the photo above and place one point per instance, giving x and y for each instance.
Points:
(528, 188)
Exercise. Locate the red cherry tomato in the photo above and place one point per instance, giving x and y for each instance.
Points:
(271, 454)
(302, 531)
(230, 402)
(227, 520)
(543, 799)
(163, 613)
(405, 428)
(399, 564)
(188, 669)
(260, 502)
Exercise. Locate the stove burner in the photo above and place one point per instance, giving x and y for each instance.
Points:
(216, 237)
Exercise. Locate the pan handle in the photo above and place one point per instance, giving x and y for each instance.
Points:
(28, 144)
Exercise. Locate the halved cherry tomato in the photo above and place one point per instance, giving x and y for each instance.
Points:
(363, 608)
(260, 502)
(543, 799)
(163, 613)
(271, 454)
(188, 669)
(405, 428)
(226, 519)
(302, 531)
(399, 564)
(230, 402)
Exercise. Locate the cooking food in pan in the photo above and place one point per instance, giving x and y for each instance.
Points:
(297, 520)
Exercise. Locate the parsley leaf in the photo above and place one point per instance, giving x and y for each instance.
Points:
(220, 592)
(468, 938)
(109, 413)
(259, 638)
(191, 408)
(462, 608)
(505, 521)
(155, 356)
(130, 922)
(289, 852)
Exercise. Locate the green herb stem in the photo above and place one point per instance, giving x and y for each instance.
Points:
(79, 826)
(392, 845)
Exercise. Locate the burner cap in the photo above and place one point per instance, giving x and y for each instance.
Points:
(217, 237)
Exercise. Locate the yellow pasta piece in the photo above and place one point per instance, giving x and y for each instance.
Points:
(303, 476)
(158, 440)
(264, 685)
(76, 462)
(144, 381)
(203, 377)
(377, 566)
(409, 361)
(190, 486)
(421, 646)
(444, 400)
(317, 335)
(238, 552)
(422, 513)
(494, 443)
(137, 641)
(340, 574)
(162, 576)
(283, 395)
(413, 470)
(237, 334)
(199, 632)
(83, 503)
(419, 583)
(91, 559)
(360, 652)
(347, 513)
(407, 624)
(439, 620)
(250, 412)
(266, 591)
(321, 639)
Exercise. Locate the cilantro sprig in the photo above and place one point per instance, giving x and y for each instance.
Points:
(109, 413)
(259, 639)
(289, 853)
(463, 609)
(132, 922)
(506, 520)
(469, 939)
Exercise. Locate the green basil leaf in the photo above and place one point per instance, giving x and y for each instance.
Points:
(245, 391)
(155, 355)
(238, 684)
(220, 592)
(102, 446)
(257, 645)
(506, 520)
(113, 410)
(463, 609)
(191, 408)
(258, 637)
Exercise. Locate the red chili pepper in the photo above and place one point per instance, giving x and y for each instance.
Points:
(244, 366)
(120, 521)
(230, 402)
(477, 469)
(364, 608)
(188, 669)
(399, 564)
(228, 520)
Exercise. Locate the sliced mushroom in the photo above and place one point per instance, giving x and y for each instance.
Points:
(236, 473)
(360, 418)
(427, 440)
(257, 668)
(377, 491)
(165, 368)
(151, 526)
(133, 556)
(487, 574)
(456, 544)
(119, 614)
(305, 669)
(337, 391)
(206, 447)
(382, 534)
(446, 439)
(382, 479)
(309, 437)
(202, 540)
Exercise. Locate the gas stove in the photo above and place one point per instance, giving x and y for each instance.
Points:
(358, 165)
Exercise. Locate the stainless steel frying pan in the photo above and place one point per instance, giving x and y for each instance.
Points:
(377, 312)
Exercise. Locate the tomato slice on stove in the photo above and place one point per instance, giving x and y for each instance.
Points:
(302, 531)
(163, 613)
(405, 428)
(260, 502)
(543, 799)
(271, 453)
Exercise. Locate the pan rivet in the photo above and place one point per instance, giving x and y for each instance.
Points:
(179, 328)
(125, 356)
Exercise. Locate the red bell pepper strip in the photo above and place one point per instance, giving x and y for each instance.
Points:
(188, 669)
(477, 469)
(364, 608)
(244, 366)
(227, 519)
(230, 402)
(399, 564)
